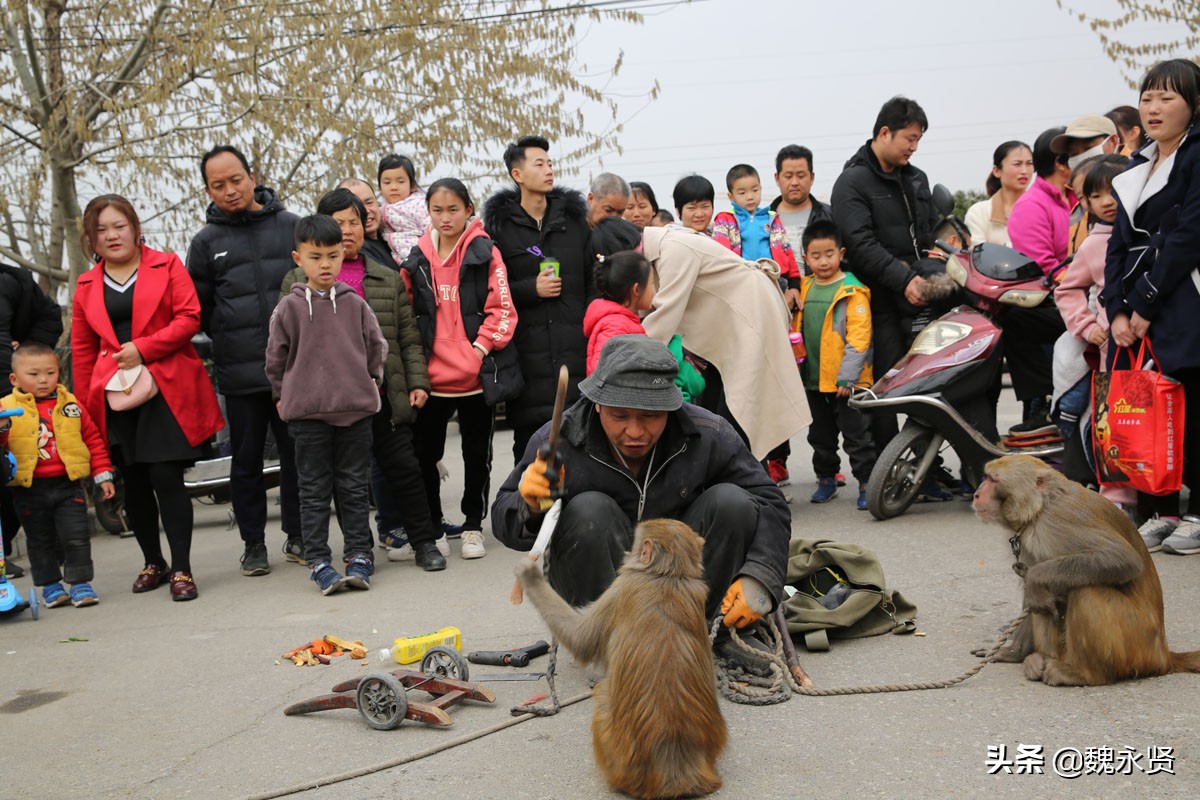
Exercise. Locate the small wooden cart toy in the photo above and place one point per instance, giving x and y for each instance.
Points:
(382, 697)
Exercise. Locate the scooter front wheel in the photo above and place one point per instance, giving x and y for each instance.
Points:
(900, 471)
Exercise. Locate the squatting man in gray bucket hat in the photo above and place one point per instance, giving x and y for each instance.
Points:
(630, 449)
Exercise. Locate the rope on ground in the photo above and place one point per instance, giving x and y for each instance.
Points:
(750, 686)
(340, 777)
(552, 708)
(775, 684)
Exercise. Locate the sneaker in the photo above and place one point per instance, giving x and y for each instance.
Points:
(861, 503)
(359, 571)
(402, 553)
(1185, 539)
(430, 556)
(450, 530)
(394, 538)
(327, 578)
(932, 492)
(472, 544)
(254, 559)
(82, 594)
(13, 570)
(442, 544)
(826, 490)
(1155, 530)
(293, 550)
(1040, 425)
(840, 478)
(54, 595)
(777, 469)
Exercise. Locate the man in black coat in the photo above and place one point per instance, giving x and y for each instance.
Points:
(26, 315)
(544, 238)
(237, 261)
(883, 209)
(631, 450)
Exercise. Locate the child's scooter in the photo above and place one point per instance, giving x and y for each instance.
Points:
(11, 599)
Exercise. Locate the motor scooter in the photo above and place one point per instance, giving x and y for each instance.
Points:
(946, 383)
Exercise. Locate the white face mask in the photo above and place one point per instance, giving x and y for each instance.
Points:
(1075, 161)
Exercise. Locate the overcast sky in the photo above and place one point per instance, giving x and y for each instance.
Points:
(741, 79)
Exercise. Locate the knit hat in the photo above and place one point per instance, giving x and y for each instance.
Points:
(634, 371)
(1087, 127)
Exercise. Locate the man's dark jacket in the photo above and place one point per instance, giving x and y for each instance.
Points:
(549, 330)
(697, 450)
(886, 220)
(26, 313)
(820, 211)
(238, 263)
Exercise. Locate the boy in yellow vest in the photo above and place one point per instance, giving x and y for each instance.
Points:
(55, 444)
(835, 318)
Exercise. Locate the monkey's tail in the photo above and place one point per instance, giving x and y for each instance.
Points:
(1185, 662)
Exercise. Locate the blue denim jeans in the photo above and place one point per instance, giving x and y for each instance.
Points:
(1072, 403)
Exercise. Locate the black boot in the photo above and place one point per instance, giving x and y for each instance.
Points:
(428, 558)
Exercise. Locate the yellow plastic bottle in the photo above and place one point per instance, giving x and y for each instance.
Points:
(410, 649)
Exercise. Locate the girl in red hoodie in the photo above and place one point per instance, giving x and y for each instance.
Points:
(466, 317)
(626, 282)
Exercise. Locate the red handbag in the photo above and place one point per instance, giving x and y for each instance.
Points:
(130, 388)
(1137, 425)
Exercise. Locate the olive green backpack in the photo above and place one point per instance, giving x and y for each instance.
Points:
(840, 593)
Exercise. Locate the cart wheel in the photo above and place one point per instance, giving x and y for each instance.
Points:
(382, 701)
(445, 662)
(34, 608)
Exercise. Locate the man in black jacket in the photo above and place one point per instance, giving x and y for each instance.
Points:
(630, 450)
(883, 209)
(544, 238)
(26, 315)
(237, 261)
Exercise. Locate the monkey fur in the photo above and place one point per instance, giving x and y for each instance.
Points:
(1094, 599)
(657, 730)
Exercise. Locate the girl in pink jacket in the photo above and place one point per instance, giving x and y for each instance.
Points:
(626, 283)
(1083, 347)
(404, 215)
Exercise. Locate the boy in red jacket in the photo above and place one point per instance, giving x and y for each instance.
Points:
(55, 444)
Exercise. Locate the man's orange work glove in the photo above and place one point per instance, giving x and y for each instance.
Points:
(535, 483)
(746, 602)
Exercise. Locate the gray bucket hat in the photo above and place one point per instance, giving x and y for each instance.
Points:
(634, 371)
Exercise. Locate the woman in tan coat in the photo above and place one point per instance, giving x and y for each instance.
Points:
(730, 313)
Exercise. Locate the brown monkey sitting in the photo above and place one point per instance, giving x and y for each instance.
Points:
(1095, 603)
(656, 730)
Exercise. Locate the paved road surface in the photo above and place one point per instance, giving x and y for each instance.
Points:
(170, 700)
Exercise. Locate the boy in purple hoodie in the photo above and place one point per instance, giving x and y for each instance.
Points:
(325, 365)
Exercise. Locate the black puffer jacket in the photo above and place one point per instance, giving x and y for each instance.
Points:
(886, 220)
(26, 313)
(697, 450)
(237, 264)
(549, 331)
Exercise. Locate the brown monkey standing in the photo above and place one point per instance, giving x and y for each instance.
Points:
(1095, 603)
(657, 731)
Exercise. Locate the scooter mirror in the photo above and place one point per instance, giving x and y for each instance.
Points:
(943, 200)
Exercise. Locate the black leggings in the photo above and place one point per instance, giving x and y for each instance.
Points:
(152, 489)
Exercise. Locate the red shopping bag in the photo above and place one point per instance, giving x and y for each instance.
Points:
(1137, 426)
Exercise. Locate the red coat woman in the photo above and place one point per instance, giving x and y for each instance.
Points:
(138, 306)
